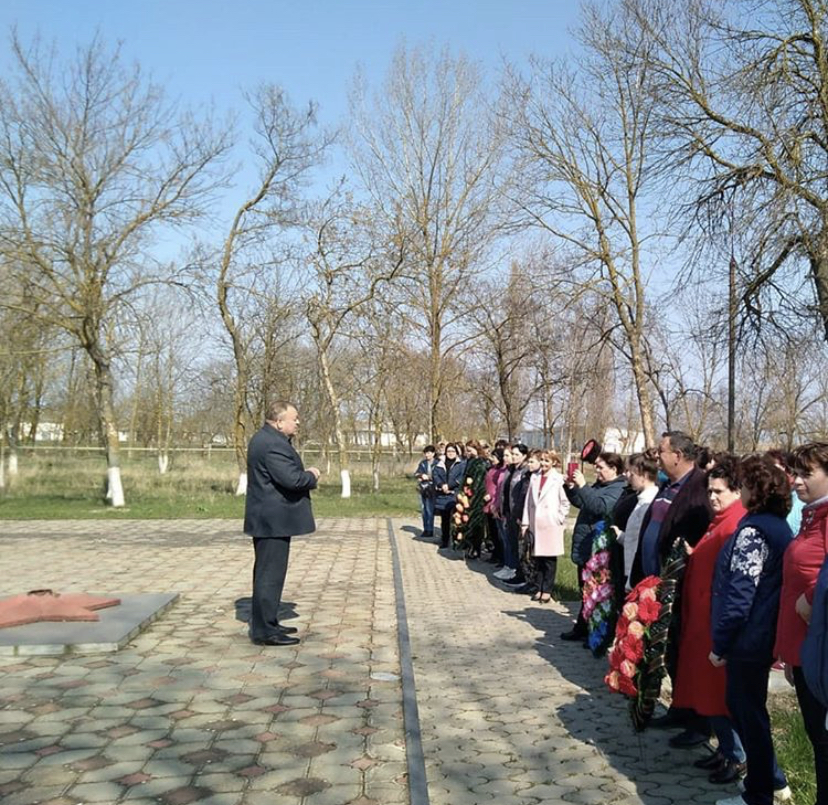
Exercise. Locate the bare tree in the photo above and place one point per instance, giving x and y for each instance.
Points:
(351, 258)
(93, 162)
(428, 150)
(505, 344)
(285, 147)
(743, 106)
(170, 344)
(584, 137)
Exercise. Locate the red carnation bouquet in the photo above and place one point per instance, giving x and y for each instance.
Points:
(638, 656)
(640, 611)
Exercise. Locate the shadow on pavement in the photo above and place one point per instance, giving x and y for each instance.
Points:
(287, 610)
(601, 718)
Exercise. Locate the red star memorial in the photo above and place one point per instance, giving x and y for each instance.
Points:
(45, 605)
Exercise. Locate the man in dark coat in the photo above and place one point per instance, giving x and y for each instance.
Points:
(681, 510)
(278, 506)
(681, 507)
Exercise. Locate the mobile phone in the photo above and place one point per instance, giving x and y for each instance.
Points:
(570, 468)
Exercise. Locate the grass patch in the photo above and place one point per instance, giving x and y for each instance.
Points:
(71, 487)
(793, 749)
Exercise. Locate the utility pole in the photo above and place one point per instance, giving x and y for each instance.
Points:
(731, 357)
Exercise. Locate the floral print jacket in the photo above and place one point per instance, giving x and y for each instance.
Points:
(746, 588)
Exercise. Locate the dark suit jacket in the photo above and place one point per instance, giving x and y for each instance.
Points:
(278, 488)
(688, 517)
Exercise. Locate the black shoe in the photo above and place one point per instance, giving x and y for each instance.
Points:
(517, 581)
(524, 589)
(710, 762)
(730, 772)
(670, 720)
(573, 634)
(688, 739)
(277, 640)
(287, 629)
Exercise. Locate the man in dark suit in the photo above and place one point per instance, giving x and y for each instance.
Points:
(278, 506)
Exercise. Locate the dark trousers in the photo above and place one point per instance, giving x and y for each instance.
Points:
(493, 538)
(546, 568)
(580, 621)
(813, 714)
(445, 526)
(747, 695)
(512, 545)
(269, 571)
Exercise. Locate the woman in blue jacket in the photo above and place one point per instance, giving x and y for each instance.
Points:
(744, 609)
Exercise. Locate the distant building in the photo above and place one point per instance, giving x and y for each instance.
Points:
(619, 440)
(615, 440)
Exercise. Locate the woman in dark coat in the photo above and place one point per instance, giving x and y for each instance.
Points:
(448, 477)
(595, 503)
(514, 497)
(744, 609)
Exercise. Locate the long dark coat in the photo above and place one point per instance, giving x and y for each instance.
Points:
(278, 488)
(688, 517)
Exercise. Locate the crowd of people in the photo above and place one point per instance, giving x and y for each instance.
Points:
(752, 533)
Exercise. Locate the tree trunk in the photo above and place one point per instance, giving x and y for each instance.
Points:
(435, 382)
(12, 442)
(240, 429)
(339, 433)
(645, 403)
(136, 396)
(819, 273)
(108, 426)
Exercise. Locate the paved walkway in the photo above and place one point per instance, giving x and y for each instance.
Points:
(190, 711)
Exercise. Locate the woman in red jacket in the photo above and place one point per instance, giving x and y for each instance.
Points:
(803, 561)
(700, 686)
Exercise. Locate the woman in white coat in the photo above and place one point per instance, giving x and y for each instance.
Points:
(544, 515)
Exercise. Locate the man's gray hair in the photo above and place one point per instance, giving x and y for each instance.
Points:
(277, 409)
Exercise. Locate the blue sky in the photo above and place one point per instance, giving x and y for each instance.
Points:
(211, 49)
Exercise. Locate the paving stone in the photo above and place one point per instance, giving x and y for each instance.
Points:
(184, 795)
(96, 792)
(303, 786)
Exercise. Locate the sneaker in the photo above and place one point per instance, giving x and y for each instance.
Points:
(506, 574)
(779, 795)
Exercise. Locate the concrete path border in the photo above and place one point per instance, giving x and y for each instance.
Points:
(417, 781)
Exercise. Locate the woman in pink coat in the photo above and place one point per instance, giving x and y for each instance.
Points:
(544, 514)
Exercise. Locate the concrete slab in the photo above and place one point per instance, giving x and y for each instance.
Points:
(116, 627)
